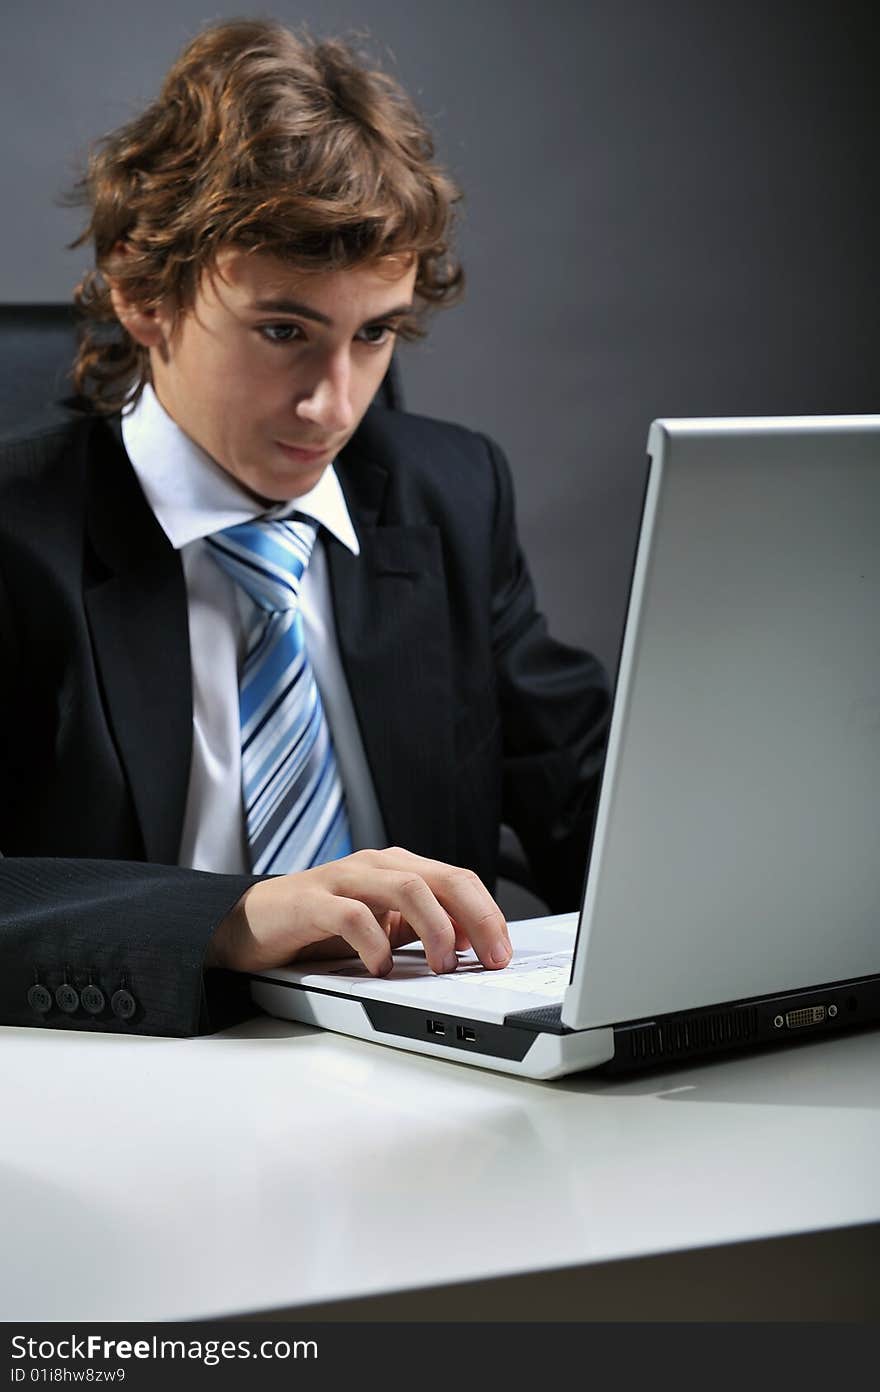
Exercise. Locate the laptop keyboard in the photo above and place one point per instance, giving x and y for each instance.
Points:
(542, 974)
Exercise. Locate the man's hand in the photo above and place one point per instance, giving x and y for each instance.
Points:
(365, 904)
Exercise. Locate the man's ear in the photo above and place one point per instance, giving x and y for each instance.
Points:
(144, 325)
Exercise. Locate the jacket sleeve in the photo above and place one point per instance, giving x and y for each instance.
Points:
(554, 705)
(102, 945)
(107, 945)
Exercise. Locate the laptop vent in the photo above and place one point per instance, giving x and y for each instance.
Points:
(690, 1034)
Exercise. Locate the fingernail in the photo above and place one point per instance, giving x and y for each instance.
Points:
(501, 953)
(450, 962)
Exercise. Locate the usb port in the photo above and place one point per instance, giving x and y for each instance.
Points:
(466, 1033)
(436, 1027)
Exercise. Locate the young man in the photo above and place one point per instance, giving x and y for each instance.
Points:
(274, 672)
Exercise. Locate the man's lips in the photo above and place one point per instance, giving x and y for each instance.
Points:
(302, 455)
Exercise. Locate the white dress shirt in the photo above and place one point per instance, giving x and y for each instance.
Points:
(193, 497)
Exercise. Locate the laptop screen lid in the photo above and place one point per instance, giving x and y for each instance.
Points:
(736, 850)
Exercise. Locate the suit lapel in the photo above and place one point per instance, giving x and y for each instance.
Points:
(136, 604)
(392, 625)
(393, 629)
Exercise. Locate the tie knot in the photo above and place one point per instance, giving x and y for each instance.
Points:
(268, 559)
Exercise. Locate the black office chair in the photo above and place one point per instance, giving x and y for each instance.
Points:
(36, 349)
(37, 345)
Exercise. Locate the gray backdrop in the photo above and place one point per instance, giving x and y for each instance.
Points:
(669, 211)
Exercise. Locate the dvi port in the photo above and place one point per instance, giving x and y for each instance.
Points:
(808, 1015)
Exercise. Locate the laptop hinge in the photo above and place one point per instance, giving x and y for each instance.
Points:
(545, 1019)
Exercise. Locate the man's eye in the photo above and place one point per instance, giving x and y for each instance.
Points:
(376, 334)
(281, 333)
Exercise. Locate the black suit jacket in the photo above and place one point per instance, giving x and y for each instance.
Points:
(470, 713)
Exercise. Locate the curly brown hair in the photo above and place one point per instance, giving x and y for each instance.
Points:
(264, 140)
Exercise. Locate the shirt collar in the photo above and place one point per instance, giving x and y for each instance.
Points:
(193, 497)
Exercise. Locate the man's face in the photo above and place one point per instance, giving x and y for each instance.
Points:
(272, 369)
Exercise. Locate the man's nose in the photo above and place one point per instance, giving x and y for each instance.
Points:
(328, 401)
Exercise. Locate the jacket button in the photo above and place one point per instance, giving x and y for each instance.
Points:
(40, 1000)
(123, 1004)
(93, 999)
(67, 998)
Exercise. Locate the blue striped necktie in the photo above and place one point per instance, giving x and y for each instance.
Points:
(294, 803)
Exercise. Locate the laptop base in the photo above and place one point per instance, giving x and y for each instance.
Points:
(542, 1054)
(535, 1043)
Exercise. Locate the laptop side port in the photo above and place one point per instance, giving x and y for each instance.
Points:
(808, 1015)
(436, 1027)
(465, 1033)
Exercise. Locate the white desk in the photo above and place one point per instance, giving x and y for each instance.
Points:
(276, 1167)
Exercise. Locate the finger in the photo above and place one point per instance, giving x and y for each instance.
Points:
(467, 902)
(356, 924)
(408, 894)
(399, 931)
(462, 941)
(391, 920)
(393, 925)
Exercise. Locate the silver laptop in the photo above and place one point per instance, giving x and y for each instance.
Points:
(732, 896)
